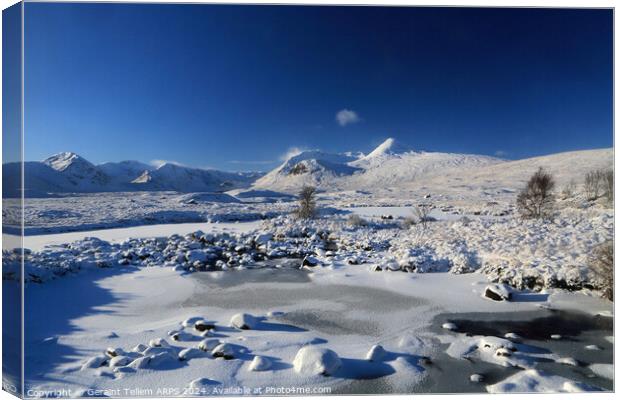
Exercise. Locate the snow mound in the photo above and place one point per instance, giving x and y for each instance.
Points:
(243, 321)
(532, 380)
(490, 349)
(376, 353)
(312, 360)
(259, 363)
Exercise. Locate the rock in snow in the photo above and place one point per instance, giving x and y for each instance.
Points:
(189, 353)
(208, 344)
(449, 326)
(376, 353)
(140, 362)
(499, 292)
(260, 363)
(224, 350)
(476, 378)
(312, 360)
(243, 321)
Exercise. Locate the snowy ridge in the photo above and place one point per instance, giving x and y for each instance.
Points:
(68, 172)
(391, 163)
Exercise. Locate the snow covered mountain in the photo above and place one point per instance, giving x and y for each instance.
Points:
(390, 164)
(70, 173)
(81, 174)
(184, 179)
(124, 171)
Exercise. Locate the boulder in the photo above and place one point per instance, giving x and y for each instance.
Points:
(140, 362)
(498, 292)
(376, 353)
(203, 325)
(311, 360)
(260, 363)
(189, 353)
(208, 344)
(243, 321)
(119, 361)
(224, 350)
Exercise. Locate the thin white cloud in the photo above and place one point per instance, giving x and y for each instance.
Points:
(159, 163)
(345, 117)
(293, 151)
(500, 153)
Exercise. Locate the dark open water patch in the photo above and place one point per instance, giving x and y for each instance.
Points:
(577, 330)
(568, 324)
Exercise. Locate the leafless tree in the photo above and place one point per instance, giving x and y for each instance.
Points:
(307, 202)
(422, 214)
(536, 200)
(602, 266)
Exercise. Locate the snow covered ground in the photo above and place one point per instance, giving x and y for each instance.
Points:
(341, 304)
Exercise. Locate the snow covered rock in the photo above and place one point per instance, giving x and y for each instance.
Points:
(113, 352)
(476, 378)
(311, 360)
(259, 363)
(224, 350)
(203, 325)
(140, 362)
(567, 361)
(162, 358)
(158, 342)
(498, 292)
(201, 383)
(139, 348)
(309, 262)
(376, 353)
(449, 326)
(243, 321)
(208, 344)
(189, 353)
(95, 362)
(593, 347)
(189, 323)
(119, 361)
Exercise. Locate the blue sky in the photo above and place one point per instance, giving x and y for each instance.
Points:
(236, 87)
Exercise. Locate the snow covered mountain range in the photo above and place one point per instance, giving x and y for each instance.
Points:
(69, 173)
(389, 165)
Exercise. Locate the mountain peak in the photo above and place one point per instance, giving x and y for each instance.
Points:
(64, 160)
(389, 146)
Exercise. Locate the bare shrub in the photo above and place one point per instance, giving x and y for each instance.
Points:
(602, 266)
(569, 189)
(536, 200)
(307, 203)
(356, 220)
(421, 214)
(608, 180)
(593, 184)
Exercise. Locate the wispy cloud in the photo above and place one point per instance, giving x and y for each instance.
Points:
(500, 153)
(345, 117)
(293, 151)
(159, 163)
